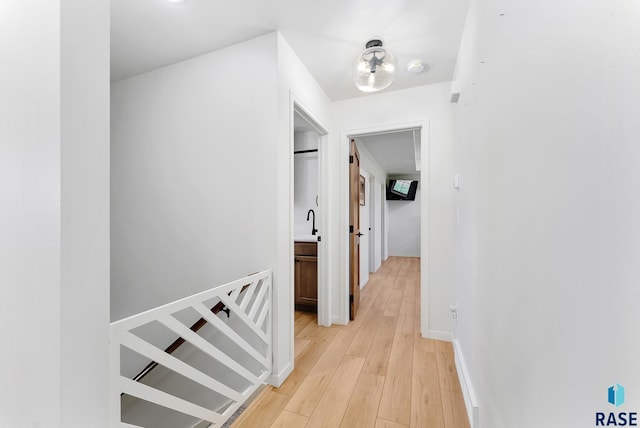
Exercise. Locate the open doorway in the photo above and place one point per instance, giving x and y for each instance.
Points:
(379, 149)
(308, 217)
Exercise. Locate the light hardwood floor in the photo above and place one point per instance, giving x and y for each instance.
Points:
(375, 372)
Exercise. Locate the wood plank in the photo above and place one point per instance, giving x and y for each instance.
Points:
(364, 337)
(380, 351)
(299, 345)
(447, 373)
(395, 404)
(372, 284)
(393, 304)
(292, 382)
(402, 280)
(363, 406)
(422, 344)
(355, 325)
(380, 302)
(383, 423)
(426, 402)
(289, 420)
(264, 413)
(417, 312)
(303, 321)
(453, 408)
(334, 353)
(334, 401)
(445, 348)
(401, 358)
(253, 407)
(311, 350)
(307, 330)
(307, 396)
(368, 296)
(406, 316)
(320, 341)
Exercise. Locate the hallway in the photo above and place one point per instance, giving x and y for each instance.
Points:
(375, 372)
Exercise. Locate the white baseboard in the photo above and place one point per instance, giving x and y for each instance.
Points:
(470, 401)
(339, 320)
(277, 380)
(363, 283)
(440, 335)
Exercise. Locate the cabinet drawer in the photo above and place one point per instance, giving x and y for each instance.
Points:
(305, 248)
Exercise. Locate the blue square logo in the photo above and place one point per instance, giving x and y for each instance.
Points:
(616, 395)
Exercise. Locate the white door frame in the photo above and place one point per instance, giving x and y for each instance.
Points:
(343, 292)
(324, 293)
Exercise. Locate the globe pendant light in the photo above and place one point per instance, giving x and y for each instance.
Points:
(375, 67)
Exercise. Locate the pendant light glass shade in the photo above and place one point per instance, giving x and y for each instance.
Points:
(375, 68)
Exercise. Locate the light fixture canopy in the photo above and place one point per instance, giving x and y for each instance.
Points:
(375, 67)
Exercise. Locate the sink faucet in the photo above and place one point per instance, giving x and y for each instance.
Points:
(313, 227)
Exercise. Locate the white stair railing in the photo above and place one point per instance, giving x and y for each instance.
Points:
(244, 324)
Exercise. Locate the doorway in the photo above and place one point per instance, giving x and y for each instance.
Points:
(308, 214)
(379, 214)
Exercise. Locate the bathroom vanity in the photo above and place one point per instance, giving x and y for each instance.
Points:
(306, 276)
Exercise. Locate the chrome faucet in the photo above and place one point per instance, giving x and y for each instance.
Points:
(313, 226)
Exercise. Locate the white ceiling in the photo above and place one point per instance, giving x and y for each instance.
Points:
(394, 151)
(326, 35)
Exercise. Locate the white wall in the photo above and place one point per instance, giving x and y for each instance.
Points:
(305, 182)
(365, 229)
(404, 223)
(54, 223)
(30, 222)
(385, 226)
(369, 163)
(546, 142)
(84, 302)
(192, 176)
(296, 83)
(376, 177)
(427, 103)
(378, 202)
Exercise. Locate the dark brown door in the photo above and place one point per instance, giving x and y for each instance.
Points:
(354, 229)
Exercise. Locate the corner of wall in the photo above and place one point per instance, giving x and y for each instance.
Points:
(277, 379)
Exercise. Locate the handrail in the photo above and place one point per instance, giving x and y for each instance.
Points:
(219, 307)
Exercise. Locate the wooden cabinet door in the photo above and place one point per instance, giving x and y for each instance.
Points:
(306, 281)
